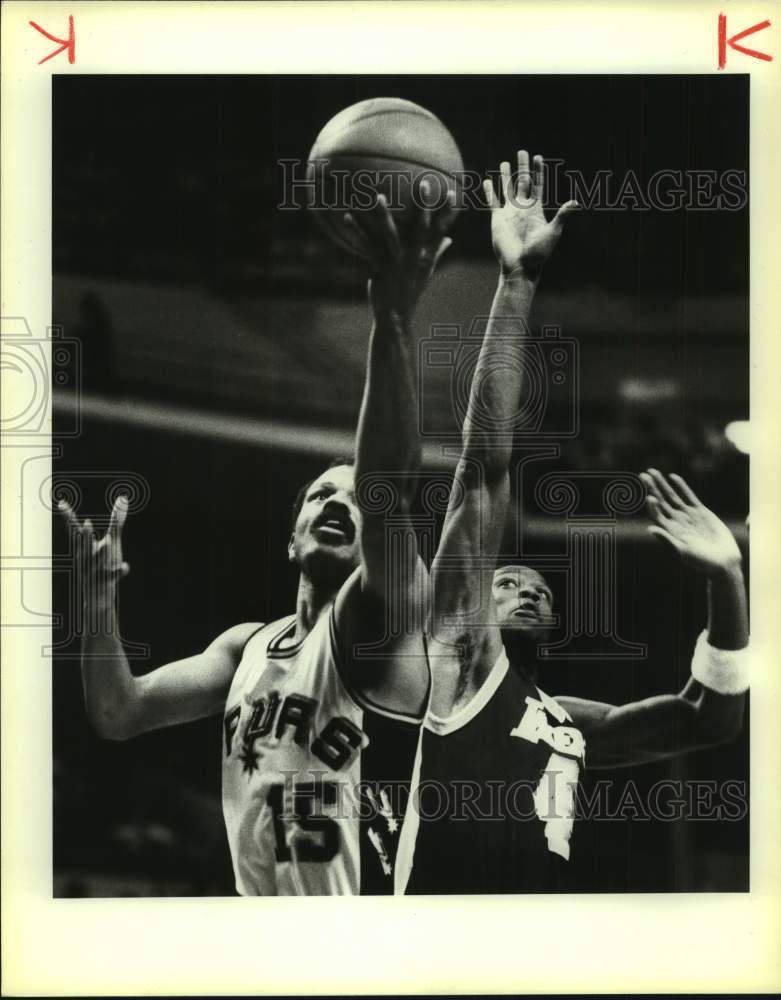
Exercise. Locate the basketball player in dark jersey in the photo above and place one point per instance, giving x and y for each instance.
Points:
(313, 735)
(495, 780)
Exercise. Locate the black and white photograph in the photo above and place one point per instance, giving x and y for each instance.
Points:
(409, 507)
(388, 498)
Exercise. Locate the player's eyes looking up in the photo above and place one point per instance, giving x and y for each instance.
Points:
(322, 493)
(513, 583)
(325, 491)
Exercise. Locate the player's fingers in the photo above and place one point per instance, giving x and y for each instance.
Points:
(652, 504)
(505, 179)
(665, 489)
(537, 189)
(444, 245)
(656, 495)
(659, 510)
(82, 548)
(421, 227)
(490, 194)
(357, 231)
(358, 220)
(118, 517)
(560, 218)
(666, 537)
(424, 199)
(445, 216)
(69, 515)
(523, 182)
(387, 226)
(650, 485)
(124, 569)
(685, 490)
(88, 537)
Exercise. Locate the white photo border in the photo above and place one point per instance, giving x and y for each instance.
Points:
(641, 943)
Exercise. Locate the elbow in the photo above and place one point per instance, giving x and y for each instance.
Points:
(107, 728)
(483, 471)
(112, 724)
(496, 474)
(726, 724)
(732, 727)
(477, 464)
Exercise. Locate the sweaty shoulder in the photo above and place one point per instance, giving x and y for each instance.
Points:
(396, 676)
(233, 640)
(587, 715)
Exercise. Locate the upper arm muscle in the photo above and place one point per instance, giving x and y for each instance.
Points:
(192, 688)
(466, 557)
(652, 729)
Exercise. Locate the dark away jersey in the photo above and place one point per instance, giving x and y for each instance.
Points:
(494, 794)
(315, 778)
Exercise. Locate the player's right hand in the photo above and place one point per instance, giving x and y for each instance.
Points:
(522, 239)
(99, 562)
(400, 268)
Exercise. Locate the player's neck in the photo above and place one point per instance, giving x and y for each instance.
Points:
(311, 602)
(521, 649)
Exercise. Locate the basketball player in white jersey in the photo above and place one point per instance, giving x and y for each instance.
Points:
(490, 730)
(317, 736)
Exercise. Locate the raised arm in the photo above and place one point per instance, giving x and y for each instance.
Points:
(380, 612)
(118, 704)
(522, 241)
(709, 709)
(387, 456)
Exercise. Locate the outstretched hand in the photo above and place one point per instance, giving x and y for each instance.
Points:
(680, 519)
(400, 268)
(99, 562)
(521, 237)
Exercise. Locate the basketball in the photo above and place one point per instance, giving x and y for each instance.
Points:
(383, 145)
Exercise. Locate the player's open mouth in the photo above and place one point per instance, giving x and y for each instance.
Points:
(526, 614)
(334, 528)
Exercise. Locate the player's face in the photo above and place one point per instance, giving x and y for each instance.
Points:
(523, 599)
(328, 523)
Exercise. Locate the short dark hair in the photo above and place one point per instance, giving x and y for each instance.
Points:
(298, 503)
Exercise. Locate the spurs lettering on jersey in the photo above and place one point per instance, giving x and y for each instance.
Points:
(271, 719)
(303, 757)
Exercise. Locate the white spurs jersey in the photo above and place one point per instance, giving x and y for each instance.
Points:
(315, 778)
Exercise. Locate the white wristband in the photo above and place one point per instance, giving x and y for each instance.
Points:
(722, 670)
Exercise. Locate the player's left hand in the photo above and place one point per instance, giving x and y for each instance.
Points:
(680, 519)
(521, 237)
(400, 268)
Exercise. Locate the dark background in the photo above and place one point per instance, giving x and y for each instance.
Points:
(222, 351)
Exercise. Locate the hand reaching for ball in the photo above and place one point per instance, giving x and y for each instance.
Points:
(400, 268)
(521, 237)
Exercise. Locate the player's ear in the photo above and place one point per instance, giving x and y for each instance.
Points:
(291, 553)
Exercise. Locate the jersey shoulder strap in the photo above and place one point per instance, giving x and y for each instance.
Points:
(269, 633)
